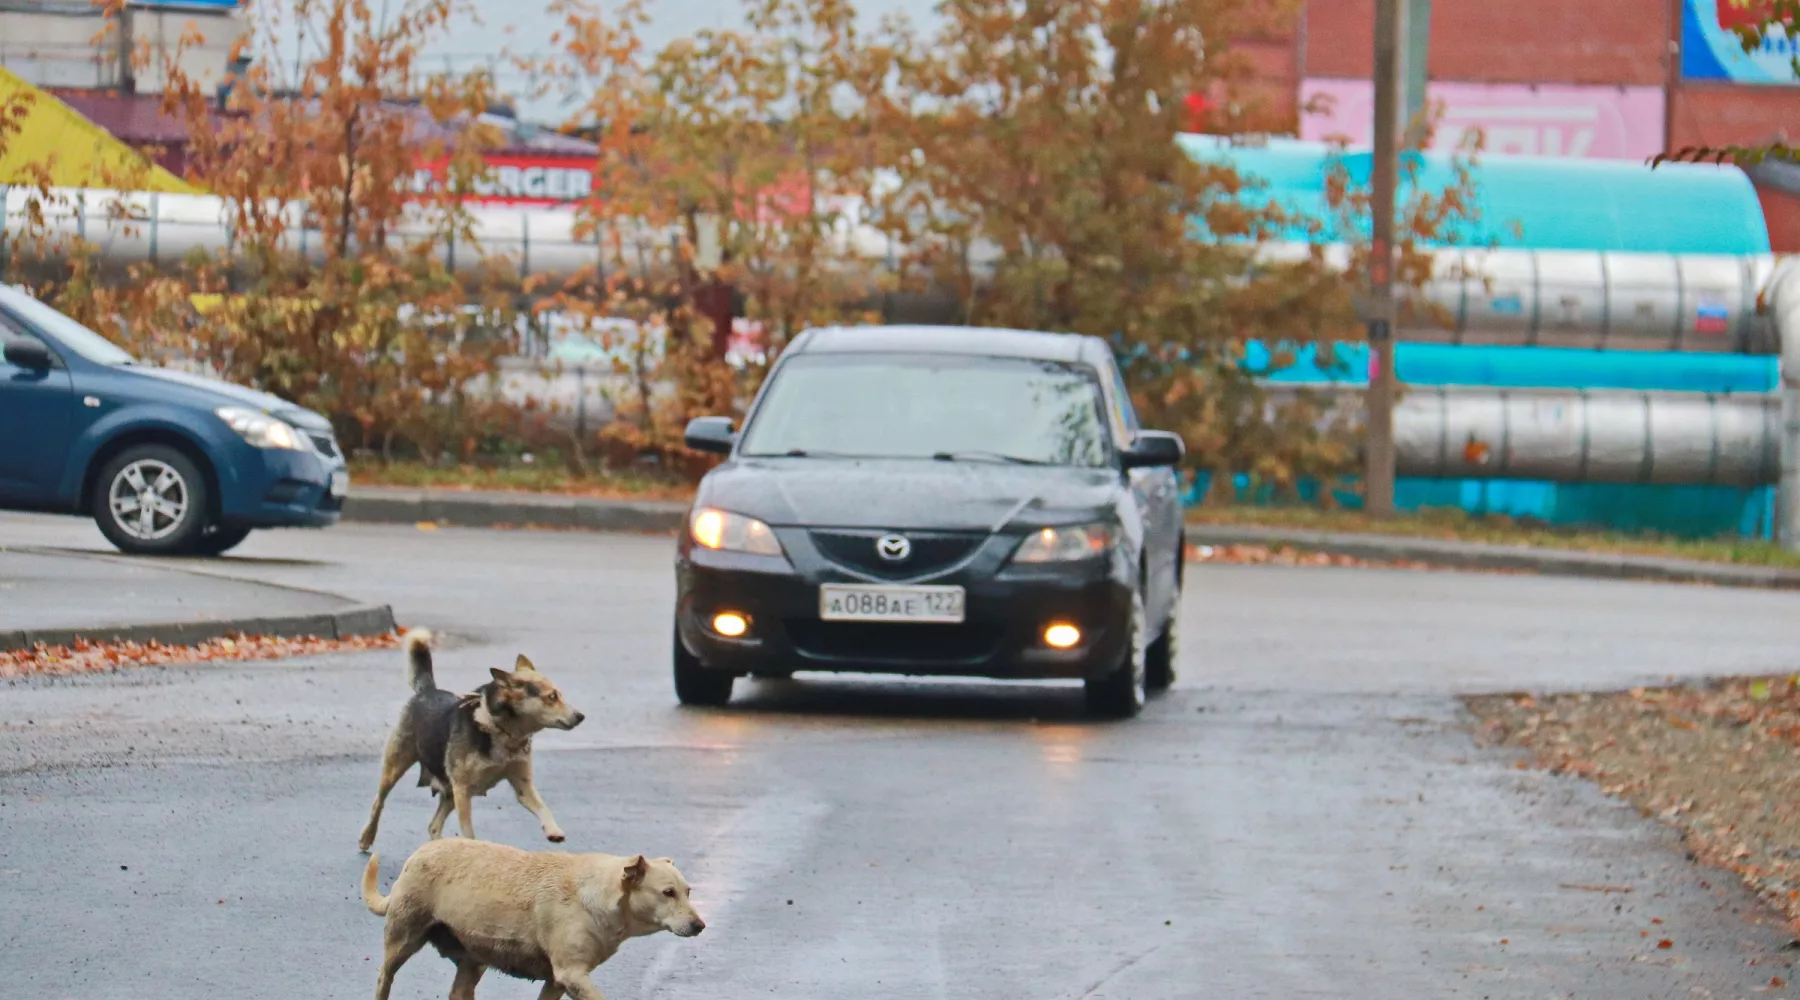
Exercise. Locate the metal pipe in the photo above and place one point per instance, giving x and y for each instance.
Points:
(1782, 302)
(1554, 298)
(1603, 436)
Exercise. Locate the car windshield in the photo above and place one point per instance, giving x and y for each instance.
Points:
(65, 331)
(943, 406)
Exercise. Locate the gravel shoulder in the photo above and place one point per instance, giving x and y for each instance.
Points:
(1718, 762)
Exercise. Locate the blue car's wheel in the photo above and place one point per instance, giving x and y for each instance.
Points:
(151, 499)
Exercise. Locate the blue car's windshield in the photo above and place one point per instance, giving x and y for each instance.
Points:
(65, 331)
(945, 406)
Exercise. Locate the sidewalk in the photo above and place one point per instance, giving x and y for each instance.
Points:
(476, 509)
(1485, 556)
(55, 598)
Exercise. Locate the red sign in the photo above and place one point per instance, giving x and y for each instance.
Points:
(521, 179)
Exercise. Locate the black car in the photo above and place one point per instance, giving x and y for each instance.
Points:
(934, 501)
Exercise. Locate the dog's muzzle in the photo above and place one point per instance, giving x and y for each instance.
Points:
(693, 929)
(576, 721)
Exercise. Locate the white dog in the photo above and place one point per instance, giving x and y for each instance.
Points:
(549, 917)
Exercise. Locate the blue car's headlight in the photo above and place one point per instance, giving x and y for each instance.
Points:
(262, 430)
(1065, 544)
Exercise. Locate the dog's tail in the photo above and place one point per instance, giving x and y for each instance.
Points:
(418, 660)
(372, 897)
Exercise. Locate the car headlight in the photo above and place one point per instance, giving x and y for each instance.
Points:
(1065, 544)
(728, 532)
(262, 430)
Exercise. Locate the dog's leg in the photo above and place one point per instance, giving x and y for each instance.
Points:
(464, 799)
(552, 991)
(396, 760)
(403, 941)
(446, 802)
(574, 979)
(519, 775)
(467, 975)
(465, 809)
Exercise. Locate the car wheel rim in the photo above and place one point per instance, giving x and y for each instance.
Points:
(149, 500)
(1138, 653)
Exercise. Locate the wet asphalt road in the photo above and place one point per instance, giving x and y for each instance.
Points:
(1304, 815)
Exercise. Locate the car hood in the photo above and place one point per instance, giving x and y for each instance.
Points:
(230, 394)
(902, 494)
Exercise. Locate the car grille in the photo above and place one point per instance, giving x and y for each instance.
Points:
(931, 551)
(324, 443)
(893, 642)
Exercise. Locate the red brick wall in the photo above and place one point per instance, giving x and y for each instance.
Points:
(1717, 115)
(1339, 37)
(1506, 41)
(1782, 212)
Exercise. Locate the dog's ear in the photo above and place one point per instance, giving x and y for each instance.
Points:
(635, 870)
(500, 675)
(524, 665)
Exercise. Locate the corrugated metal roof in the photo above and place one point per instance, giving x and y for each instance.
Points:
(131, 118)
(78, 152)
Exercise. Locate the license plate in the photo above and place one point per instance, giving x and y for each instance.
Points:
(340, 483)
(838, 603)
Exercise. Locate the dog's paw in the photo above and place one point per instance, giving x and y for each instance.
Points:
(555, 838)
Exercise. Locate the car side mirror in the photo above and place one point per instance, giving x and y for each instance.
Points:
(710, 434)
(1154, 448)
(28, 354)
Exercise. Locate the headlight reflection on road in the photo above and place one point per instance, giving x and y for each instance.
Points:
(1062, 747)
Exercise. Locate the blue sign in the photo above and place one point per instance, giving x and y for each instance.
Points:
(1711, 50)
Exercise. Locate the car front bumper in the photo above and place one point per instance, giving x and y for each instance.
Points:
(1005, 612)
(276, 488)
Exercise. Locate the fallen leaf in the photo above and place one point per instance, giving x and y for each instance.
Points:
(1665, 943)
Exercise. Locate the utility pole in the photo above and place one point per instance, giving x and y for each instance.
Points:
(1415, 71)
(1378, 446)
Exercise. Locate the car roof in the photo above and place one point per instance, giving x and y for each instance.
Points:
(971, 340)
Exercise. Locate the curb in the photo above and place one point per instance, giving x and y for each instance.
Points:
(365, 619)
(511, 510)
(474, 509)
(1485, 556)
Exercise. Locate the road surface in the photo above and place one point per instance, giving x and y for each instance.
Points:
(1305, 814)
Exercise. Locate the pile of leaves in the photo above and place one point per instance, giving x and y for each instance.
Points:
(1717, 761)
(86, 657)
(1282, 555)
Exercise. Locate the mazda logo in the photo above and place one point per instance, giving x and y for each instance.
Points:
(893, 548)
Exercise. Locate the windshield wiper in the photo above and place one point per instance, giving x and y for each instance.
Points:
(984, 456)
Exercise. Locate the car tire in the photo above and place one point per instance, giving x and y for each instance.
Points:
(1122, 693)
(696, 685)
(1159, 658)
(161, 474)
(772, 675)
(219, 540)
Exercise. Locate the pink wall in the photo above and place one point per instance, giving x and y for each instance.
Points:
(1567, 121)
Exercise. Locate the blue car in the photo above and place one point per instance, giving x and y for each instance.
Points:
(166, 463)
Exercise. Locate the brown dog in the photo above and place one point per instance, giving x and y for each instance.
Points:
(465, 744)
(548, 917)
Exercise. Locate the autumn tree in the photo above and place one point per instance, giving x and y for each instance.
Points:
(336, 290)
(1041, 181)
(732, 162)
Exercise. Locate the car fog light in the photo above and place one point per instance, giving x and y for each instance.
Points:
(730, 624)
(1061, 635)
